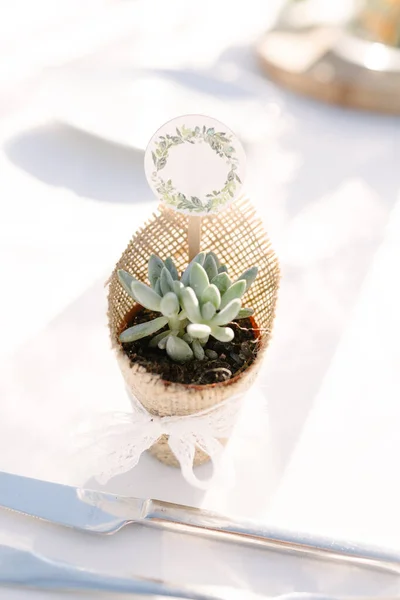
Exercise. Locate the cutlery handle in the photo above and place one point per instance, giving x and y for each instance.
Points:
(208, 524)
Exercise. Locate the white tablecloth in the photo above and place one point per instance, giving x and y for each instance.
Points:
(322, 455)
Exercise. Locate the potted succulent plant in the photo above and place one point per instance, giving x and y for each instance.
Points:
(186, 343)
(189, 333)
(185, 330)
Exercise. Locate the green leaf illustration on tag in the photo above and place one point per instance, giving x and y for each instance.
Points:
(182, 184)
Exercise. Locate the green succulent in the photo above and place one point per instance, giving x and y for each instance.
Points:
(194, 307)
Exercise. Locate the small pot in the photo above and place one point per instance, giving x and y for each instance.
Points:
(238, 238)
(165, 398)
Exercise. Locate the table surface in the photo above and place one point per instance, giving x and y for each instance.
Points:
(316, 446)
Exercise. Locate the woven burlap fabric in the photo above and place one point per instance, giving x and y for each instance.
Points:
(238, 238)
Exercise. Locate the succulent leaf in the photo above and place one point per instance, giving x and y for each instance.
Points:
(166, 281)
(199, 281)
(162, 344)
(215, 257)
(200, 258)
(198, 350)
(210, 266)
(169, 263)
(178, 349)
(157, 338)
(177, 287)
(169, 305)
(154, 269)
(222, 282)
(223, 334)
(249, 276)
(208, 311)
(227, 314)
(126, 281)
(198, 330)
(142, 330)
(146, 296)
(244, 313)
(222, 269)
(235, 291)
(157, 288)
(191, 305)
(213, 295)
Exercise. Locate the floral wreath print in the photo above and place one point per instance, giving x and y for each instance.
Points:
(221, 143)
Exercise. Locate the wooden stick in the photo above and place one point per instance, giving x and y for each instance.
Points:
(194, 236)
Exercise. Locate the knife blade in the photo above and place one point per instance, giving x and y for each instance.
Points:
(104, 513)
(28, 569)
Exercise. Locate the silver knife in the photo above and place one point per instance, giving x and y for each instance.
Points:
(103, 513)
(28, 569)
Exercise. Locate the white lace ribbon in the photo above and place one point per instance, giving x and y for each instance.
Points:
(119, 439)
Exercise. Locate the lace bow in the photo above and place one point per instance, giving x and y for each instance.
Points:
(119, 439)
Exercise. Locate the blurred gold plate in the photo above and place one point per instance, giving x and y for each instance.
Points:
(330, 65)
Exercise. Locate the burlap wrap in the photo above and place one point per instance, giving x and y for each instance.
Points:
(238, 238)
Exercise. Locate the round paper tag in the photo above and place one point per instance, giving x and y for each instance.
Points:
(195, 165)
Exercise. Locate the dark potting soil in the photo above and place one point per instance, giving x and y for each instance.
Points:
(232, 358)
